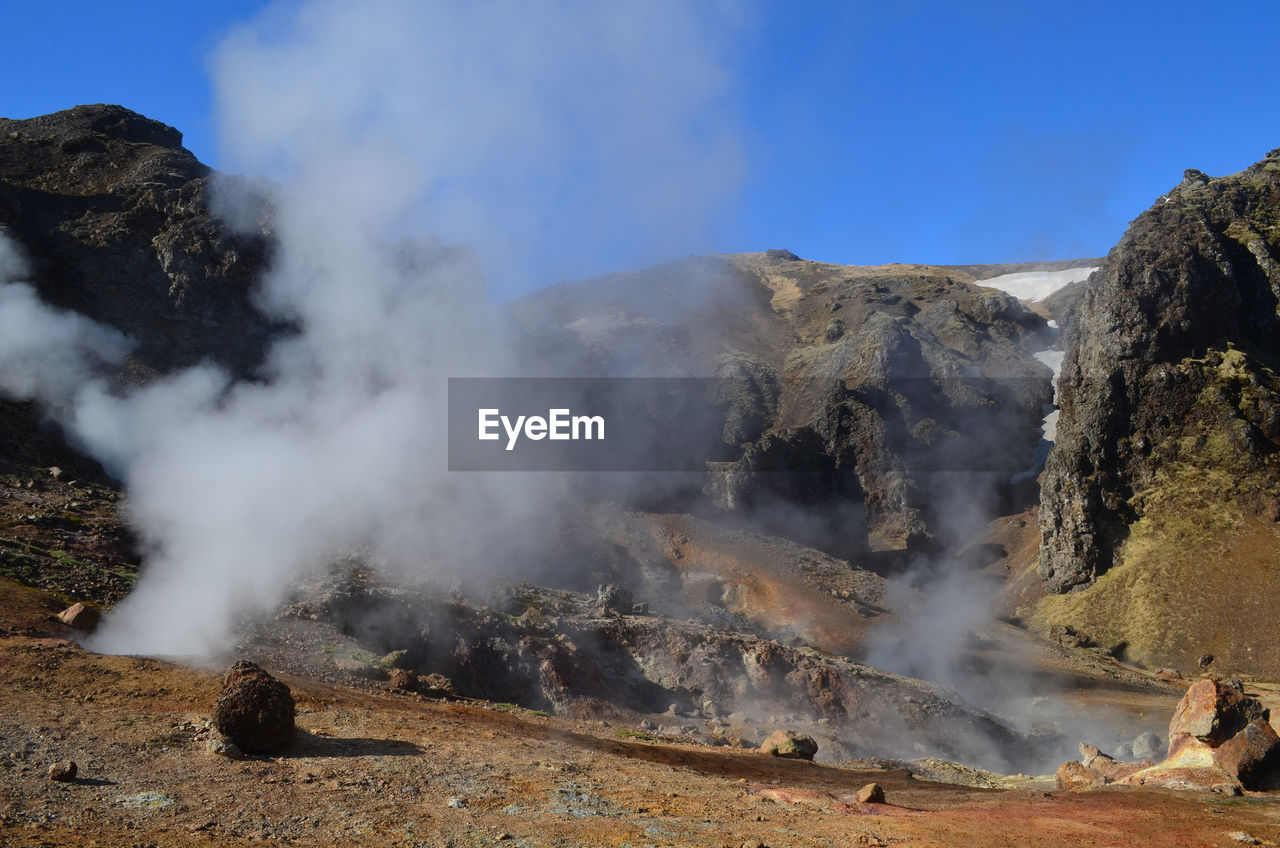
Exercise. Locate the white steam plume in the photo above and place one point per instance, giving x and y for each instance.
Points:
(544, 138)
(46, 355)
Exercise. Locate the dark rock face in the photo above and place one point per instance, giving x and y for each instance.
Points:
(254, 709)
(1169, 365)
(115, 216)
(863, 382)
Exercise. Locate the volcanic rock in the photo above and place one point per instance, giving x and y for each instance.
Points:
(1252, 755)
(64, 771)
(1166, 383)
(80, 617)
(1072, 776)
(613, 600)
(116, 217)
(872, 793)
(790, 744)
(223, 746)
(1213, 712)
(1147, 746)
(1219, 737)
(254, 709)
(403, 679)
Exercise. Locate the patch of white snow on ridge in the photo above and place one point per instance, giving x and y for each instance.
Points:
(1036, 285)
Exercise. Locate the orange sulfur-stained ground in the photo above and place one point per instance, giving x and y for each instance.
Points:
(371, 766)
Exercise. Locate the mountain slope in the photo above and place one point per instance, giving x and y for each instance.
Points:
(1160, 498)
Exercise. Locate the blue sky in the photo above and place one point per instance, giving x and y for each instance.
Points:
(873, 131)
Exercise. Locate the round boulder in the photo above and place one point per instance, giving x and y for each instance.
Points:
(254, 709)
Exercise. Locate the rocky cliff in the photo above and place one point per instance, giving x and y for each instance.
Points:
(896, 387)
(1164, 469)
(116, 219)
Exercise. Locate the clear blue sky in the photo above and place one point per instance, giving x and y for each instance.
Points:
(874, 131)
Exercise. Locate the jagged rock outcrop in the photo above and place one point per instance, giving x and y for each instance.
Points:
(117, 220)
(1220, 740)
(553, 650)
(867, 380)
(1169, 400)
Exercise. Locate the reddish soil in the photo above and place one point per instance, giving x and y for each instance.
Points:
(372, 766)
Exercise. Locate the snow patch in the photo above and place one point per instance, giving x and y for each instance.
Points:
(1036, 285)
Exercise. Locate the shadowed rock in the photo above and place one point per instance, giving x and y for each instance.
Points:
(789, 744)
(254, 709)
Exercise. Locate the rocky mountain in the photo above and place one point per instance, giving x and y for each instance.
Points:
(1160, 498)
(899, 385)
(116, 218)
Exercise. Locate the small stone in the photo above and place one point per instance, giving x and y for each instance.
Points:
(872, 793)
(1242, 837)
(1229, 789)
(55, 472)
(63, 771)
(224, 746)
(458, 803)
(790, 744)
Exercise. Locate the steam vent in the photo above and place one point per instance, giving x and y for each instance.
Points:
(372, 474)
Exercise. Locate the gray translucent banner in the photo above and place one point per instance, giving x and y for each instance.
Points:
(681, 424)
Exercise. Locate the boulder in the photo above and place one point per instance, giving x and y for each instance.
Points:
(1072, 776)
(1251, 755)
(1147, 746)
(790, 744)
(63, 771)
(80, 617)
(403, 679)
(872, 793)
(254, 709)
(613, 600)
(1213, 712)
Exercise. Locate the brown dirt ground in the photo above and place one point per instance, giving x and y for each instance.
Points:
(372, 766)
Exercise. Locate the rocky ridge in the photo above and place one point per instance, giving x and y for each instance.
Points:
(1165, 465)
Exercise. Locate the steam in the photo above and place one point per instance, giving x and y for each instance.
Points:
(540, 141)
(46, 354)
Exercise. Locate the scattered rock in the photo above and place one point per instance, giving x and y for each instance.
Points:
(1065, 636)
(403, 679)
(55, 472)
(80, 617)
(224, 746)
(254, 709)
(872, 793)
(63, 771)
(1072, 776)
(458, 803)
(1147, 746)
(613, 600)
(790, 744)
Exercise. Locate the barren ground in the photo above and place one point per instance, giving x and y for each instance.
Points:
(378, 767)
